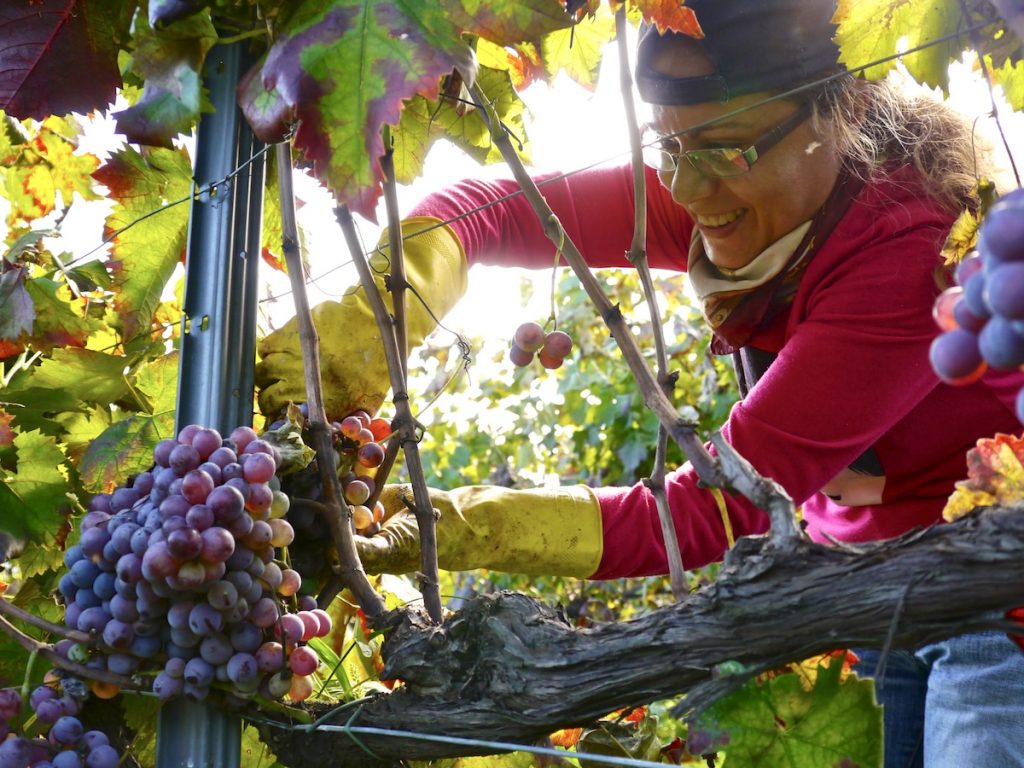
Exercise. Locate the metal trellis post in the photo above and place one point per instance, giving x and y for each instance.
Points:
(215, 382)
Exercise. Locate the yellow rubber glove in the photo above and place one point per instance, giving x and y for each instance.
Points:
(554, 532)
(352, 360)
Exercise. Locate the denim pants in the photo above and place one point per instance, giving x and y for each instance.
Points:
(954, 704)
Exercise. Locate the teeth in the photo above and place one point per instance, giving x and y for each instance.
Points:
(718, 221)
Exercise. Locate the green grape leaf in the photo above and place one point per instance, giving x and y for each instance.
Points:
(140, 713)
(505, 22)
(37, 559)
(57, 323)
(169, 61)
(578, 50)
(80, 428)
(91, 377)
(873, 29)
(126, 447)
(13, 660)
(255, 752)
(60, 56)
(32, 497)
(1010, 76)
(272, 248)
(145, 250)
(43, 166)
(779, 723)
(344, 68)
(19, 311)
(423, 122)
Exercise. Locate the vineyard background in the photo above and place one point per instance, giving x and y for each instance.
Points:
(88, 389)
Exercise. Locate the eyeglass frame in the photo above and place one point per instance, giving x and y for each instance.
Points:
(749, 156)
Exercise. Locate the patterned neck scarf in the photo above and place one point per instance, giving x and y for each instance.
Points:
(736, 303)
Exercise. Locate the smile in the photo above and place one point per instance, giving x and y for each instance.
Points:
(719, 220)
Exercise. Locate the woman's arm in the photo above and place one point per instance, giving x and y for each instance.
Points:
(594, 206)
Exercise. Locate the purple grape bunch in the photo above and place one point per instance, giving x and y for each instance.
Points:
(982, 316)
(179, 573)
(66, 744)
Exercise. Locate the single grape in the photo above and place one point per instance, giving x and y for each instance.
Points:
(242, 668)
(1002, 231)
(67, 730)
(198, 672)
(1004, 286)
(519, 356)
(1000, 343)
(362, 517)
(10, 703)
(381, 429)
(291, 581)
(283, 533)
(370, 455)
(955, 357)
(529, 337)
(557, 344)
(356, 492)
(548, 361)
(102, 756)
(350, 427)
(975, 295)
(303, 660)
(258, 467)
(300, 689)
(206, 441)
(196, 486)
(270, 656)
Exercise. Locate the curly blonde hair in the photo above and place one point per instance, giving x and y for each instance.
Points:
(879, 124)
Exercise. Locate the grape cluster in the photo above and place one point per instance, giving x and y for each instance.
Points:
(551, 349)
(180, 572)
(982, 316)
(66, 743)
(358, 438)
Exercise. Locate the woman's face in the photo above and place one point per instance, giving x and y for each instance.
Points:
(739, 216)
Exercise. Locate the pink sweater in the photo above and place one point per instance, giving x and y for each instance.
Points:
(852, 370)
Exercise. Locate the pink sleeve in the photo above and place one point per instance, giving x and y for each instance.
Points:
(594, 206)
(855, 362)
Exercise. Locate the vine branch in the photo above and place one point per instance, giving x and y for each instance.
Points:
(350, 570)
(637, 256)
(429, 577)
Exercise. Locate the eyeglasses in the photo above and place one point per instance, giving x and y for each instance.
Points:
(662, 152)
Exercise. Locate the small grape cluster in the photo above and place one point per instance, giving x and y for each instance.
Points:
(180, 571)
(982, 316)
(358, 438)
(551, 349)
(66, 744)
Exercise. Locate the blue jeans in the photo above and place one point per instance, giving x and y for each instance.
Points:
(954, 704)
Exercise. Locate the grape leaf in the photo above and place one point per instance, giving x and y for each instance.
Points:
(140, 713)
(60, 56)
(13, 660)
(872, 29)
(1011, 77)
(43, 165)
(59, 316)
(32, 499)
(995, 475)
(144, 255)
(671, 15)
(779, 723)
(169, 61)
(423, 122)
(126, 447)
(505, 22)
(343, 69)
(521, 61)
(36, 559)
(91, 377)
(255, 752)
(578, 50)
(19, 311)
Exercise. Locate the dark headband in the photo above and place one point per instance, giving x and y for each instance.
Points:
(754, 45)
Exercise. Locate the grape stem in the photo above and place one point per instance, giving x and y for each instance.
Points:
(350, 570)
(637, 256)
(429, 577)
(731, 471)
(33, 646)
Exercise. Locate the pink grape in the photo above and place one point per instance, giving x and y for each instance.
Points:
(270, 656)
(242, 436)
(529, 337)
(548, 361)
(303, 660)
(206, 441)
(519, 356)
(942, 309)
(258, 468)
(370, 455)
(557, 344)
(350, 427)
(356, 492)
(196, 486)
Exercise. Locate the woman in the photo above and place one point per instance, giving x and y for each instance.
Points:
(810, 226)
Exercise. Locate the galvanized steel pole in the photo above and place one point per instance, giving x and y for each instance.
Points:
(215, 381)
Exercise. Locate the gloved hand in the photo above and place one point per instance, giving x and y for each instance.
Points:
(541, 532)
(352, 362)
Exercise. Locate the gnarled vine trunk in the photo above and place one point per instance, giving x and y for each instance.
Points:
(509, 668)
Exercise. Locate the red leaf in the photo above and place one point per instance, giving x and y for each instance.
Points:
(60, 56)
(671, 15)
